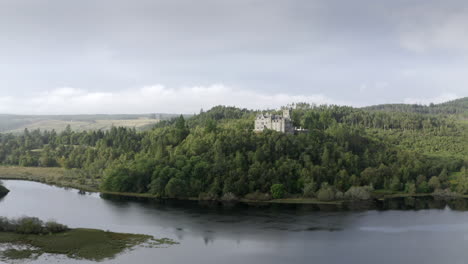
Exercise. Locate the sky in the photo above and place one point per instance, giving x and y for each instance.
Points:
(179, 56)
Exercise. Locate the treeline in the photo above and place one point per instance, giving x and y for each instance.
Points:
(217, 155)
(458, 106)
(30, 225)
(12, 122)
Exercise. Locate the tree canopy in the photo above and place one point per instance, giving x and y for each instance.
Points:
(217, 152)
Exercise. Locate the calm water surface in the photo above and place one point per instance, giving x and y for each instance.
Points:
(213, 233)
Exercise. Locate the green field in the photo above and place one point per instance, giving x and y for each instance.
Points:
(17, 123)
(60, 125)
(53, 176)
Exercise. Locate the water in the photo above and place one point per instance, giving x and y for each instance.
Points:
(212, 233)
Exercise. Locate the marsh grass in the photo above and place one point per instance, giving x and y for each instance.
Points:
(80, 243)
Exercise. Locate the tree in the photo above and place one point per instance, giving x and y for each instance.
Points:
(309, 187)
(216, 152)
(410, 188)
(211, 126)
(176, 188)
(462, 181)
(181, 128)
(277, 191)
(326, 160)
(443, 176)
(434, 183)
(423, 187)
(395, 185)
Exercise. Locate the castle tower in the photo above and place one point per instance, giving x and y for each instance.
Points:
(287, 113)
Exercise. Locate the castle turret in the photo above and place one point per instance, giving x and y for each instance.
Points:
(287, 113)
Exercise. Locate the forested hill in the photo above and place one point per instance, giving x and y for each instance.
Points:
(217, 155)
(458, 106)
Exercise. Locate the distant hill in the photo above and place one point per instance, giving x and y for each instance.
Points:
(17, 123)
(458, 106)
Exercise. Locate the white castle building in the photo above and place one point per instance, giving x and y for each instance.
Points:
(275, 122)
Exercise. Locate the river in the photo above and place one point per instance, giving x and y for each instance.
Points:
(399, 231)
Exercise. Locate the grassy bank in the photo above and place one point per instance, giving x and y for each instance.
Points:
(90, 244)
(301, 201)
(51, 175)
(63, 178)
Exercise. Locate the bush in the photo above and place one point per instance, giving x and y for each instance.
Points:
(54, 227)
(445, 193)
(309, 189)
(339, 195)
(326, 193)
(30, 225)
(229, 197)
(6, 225)
(277, 191)
(359, 193)
(258, 196)
(207, 196)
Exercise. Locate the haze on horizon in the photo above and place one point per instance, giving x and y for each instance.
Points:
(121, 56)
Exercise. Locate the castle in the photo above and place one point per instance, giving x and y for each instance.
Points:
(275, 122)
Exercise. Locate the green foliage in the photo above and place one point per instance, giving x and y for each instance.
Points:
(176, 188)
(423, 187)
(359, 193)
(30, 225)
(309, 188)
(461, 185)
(434, 183)
(277, 191)
(458, 106)
(217, 154)
(82, 244)
(326, 193)
(395, 184)
(410, 188)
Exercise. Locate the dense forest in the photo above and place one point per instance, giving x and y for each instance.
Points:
(217, 155)
(458, 106)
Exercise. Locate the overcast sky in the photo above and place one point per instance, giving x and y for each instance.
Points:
(140, 56)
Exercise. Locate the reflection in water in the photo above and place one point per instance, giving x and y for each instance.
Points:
(424, 203)
(217, 208)
(212, 232)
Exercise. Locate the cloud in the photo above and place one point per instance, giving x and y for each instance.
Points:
(436, 100)
(436, 28)
(149, 99)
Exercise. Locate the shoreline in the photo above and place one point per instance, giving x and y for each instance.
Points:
(28, 174)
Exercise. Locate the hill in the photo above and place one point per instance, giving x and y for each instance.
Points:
(17, 123)
(455, 107)
(217, 155)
